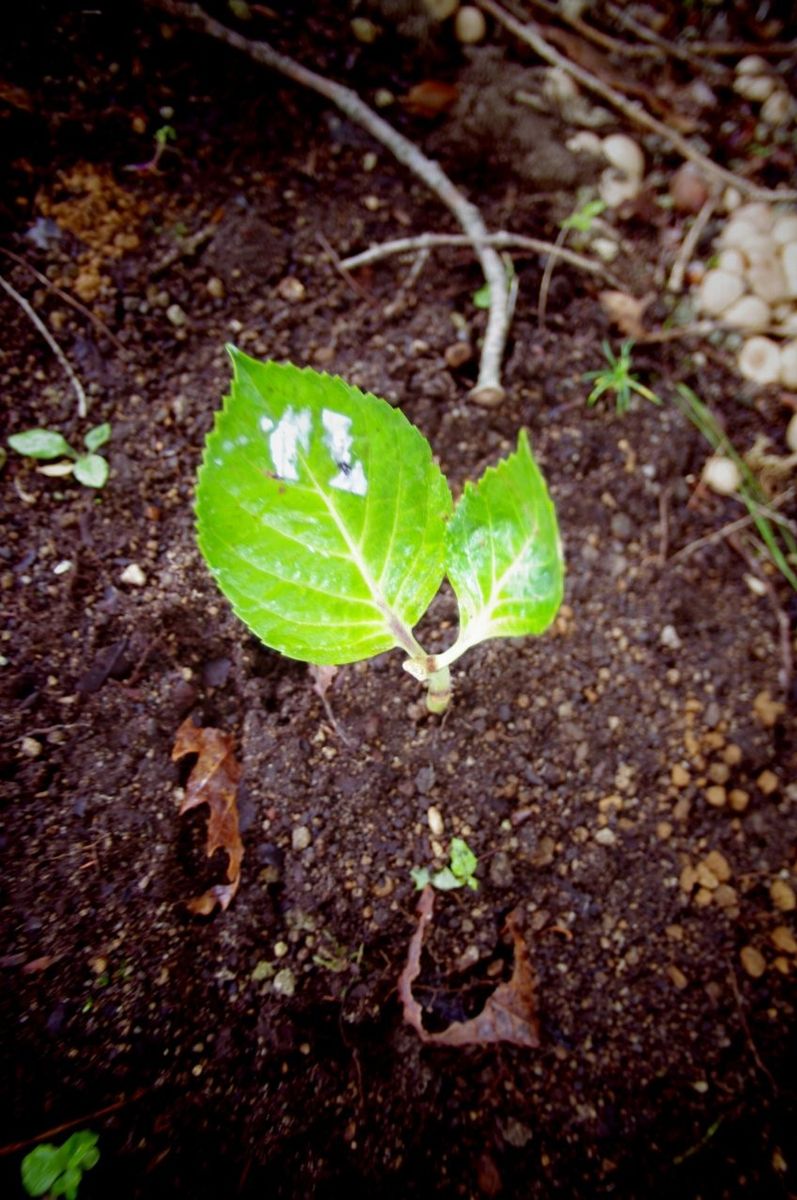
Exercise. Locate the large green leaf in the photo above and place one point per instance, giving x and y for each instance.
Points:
(321, 513)
(40, 443)
(504, 555)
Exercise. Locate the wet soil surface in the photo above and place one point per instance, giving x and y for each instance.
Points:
(627, 781)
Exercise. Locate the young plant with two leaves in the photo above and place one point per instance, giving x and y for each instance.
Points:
(329, 527)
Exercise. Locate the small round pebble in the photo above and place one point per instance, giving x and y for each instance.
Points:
(782, 895)
(133, 575)
(300, 838)
(752, 961)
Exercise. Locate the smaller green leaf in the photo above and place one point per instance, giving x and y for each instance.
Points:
(503, 552)
(97, 436)
(91, 470)
(481, 298)
(40, 443)
(463, 860)
(40, 1169)
(420, 877)
(446, 880)
(582, 219)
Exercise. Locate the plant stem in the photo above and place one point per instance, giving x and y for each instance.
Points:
(438, 695)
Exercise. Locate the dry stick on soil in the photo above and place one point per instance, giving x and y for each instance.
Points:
(532, 37)
(719, 535)
(62, 295)
(689, 244)
(488, 390)
(613, 45)
(640, 30)
(502, 240)
(77, 386)
(15, 1147)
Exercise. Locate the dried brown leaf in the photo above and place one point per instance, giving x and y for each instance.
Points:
(625, 311)
(213, 781)
(509, 1012)
(430, 98)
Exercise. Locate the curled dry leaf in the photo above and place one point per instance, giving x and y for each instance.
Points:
(625, 311)
(213, 781)
(509, 1013)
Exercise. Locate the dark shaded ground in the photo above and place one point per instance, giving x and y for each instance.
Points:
(263, 1051)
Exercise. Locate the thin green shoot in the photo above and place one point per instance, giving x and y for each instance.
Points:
(617, 378)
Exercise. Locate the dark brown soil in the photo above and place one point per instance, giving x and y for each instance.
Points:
(262, 1051)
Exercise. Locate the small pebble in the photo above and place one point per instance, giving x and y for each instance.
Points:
(435, 819)
(284, 982)
(782, 895)
(718, 864)
(133, 575)
(783, 939)
(176, 316)
(300, 838)
(767, 782)
(501, 873)
(716, 796)
(606, 836)
(677, 976)
(752, 961)
(30, 747)
(679, 776)
(738, 799)
(291, 289)
(215, 288)
(669, 638)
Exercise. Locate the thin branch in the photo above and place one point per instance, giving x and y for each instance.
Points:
(640, 30)
(15, 1147)
(719, 535)
(77, 386)
(689, 244)
(502, 240)
(488, 390)
(532, 37)
(62, 295)
(547, 275)
(613, 45)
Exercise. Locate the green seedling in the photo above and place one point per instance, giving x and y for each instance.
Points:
(460, 872)
(89, 468)
(582, 219)
(57, 1170)
(329, 527)
(777, 538)
(617, 378)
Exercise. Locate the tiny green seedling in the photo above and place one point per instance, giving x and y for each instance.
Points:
(617, 378)
(89, 468)
(329, 527)
(482, 296)
(582, 219)
(460, 872)
(57, 1170)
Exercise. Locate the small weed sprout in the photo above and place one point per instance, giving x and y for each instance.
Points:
(88, 468)
(617, 378)
(57, 1170)
(460, 872)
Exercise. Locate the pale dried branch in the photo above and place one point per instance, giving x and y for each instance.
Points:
(77, 386)
(530, 34)
(501, 240)
(689, 244)
(488, 389)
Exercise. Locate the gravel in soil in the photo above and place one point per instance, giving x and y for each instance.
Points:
(626, 781)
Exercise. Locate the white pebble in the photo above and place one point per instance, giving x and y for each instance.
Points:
(718, 291)
(435, 819)
(759, 360)
(605, 836)
(722, 475)
(791, 434)
(469, 25)
(751, 313)
(625, 154)
(176, 315)
(300, 838)
(788, 365)
(669, 638)
(133, 575)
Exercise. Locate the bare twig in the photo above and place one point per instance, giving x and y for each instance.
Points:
(502, 240)
(613, 45)
(719, 535)
(547, 274)
(334, 258)
(62, 295)
(15, 1147)
(640, 30)
(530, 34)
(77, 386)
(676, 280)
(488, 389)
